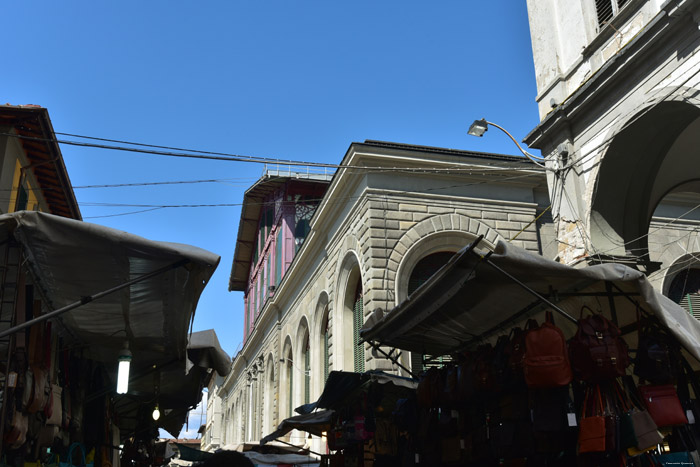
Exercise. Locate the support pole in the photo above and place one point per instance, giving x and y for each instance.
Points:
(539, 296)
(394, 360)
(90, 298)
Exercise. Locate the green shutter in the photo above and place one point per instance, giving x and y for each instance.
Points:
(278, 257)
(359, 348)
(290, 370)
(326, 353)
(307, 377)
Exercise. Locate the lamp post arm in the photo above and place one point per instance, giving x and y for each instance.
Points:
(532, 157)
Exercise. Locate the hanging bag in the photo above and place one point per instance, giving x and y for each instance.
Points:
(663, 404)
(597, 351)
(653, 362)
(591, 435)
(645, 430)
(546, 361)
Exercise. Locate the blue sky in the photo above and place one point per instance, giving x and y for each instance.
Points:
(287, 79)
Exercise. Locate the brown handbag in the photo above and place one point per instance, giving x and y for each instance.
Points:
(546, 361)
(591, 435)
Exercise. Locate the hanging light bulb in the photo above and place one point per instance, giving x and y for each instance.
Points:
(123, 371)
(156, 413)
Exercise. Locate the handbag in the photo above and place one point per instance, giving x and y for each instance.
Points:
(663, 404)
(653, 362)
(646, 432)
(591, 435)
(546, 361)
(69, 457)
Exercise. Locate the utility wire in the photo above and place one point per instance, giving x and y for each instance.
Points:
(210, 155)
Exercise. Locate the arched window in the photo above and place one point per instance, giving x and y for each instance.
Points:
(685, 290)
(290, 384)
(326, 346)
(426, 267)
(424, 270)
(307, 369)
(357, 321)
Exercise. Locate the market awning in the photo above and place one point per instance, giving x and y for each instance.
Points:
(476, 297)
(180, 385)
(315, 423)
(70, 260)
(340, 385)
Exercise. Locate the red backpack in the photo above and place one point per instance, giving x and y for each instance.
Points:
(546, 361)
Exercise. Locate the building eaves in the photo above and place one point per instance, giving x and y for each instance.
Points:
(250, 215)
(446, 151)
(38, 140)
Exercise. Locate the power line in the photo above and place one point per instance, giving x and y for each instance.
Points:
(220, 156)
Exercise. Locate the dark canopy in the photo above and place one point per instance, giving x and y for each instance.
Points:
(473, 298)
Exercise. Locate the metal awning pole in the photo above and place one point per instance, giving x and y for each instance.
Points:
(394, 360)
(90, 298)
(554, 307)
(301, 449)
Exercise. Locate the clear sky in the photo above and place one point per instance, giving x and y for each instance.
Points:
(288, 79)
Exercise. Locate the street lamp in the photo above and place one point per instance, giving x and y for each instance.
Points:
(479, 127)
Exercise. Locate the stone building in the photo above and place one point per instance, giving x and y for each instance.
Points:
(618, 86)
(315, 255)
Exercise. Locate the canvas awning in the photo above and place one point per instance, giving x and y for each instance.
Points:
(69, 260)
(475, 297)
(315, 423)
(341, 385)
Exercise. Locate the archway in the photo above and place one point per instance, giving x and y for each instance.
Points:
(647, 158)
(268, 416)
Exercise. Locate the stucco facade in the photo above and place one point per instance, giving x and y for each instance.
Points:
(618, 99)
(392, 206)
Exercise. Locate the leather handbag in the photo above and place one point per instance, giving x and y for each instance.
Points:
(56, 415)
(597, 351)
(653, 362)
(645, 430)
(546, 361)
(663, 404)
(646, 435)
(591, 435)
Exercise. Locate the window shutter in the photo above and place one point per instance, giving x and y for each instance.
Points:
(307, 376)
(604, 9)
(278, 257)
(416, 363)
(691, 304)
(326, 354)
(359, 350)
(290, 410)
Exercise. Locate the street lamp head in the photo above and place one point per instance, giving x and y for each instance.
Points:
(478, 128)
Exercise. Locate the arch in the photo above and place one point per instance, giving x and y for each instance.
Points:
(320, 354)
(433, 242)
(269, 390)
(643, 162)
(348, 315)
(286, 390)
(302, 376)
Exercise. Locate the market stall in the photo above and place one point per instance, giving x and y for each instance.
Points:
(355, 415)
(80, 300)
(540, 352)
